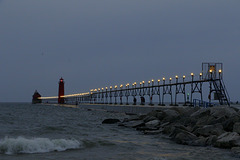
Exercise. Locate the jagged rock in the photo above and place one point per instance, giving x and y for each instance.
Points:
(187, 121)
(211, 140)
(236, 127)
(170, 115)
(153, 123)
(186, 111)
(134, 124)
(201, 141)
(110, 121)
(223, 111)
(133, 118)
(200, 113)
(228, 124)
(184, 137)
(209, 120)
(164, 124)
(160, 115)
(142, 116)
(177, 129)
(228, 140)
(149, 118)
(209, 130)
(168, 129)
(205, 120)
(153, 113)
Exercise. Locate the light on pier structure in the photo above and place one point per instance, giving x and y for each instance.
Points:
(200, 76)
(192, 74)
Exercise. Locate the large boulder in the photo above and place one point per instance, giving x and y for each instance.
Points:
(228, 124)
(201, 141)
(168, 129)
(209, 130)
(134, 124)
(200, 113)
(228, 140)
(186, 111)
(206, 120)
(153, 113)
(152, 124)
(236, 127)
(184, 137)
(223, 111)
(149, 118)
(170, 115)
(211, 140)
(160, 115)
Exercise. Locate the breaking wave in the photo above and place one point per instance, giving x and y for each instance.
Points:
(36, 145)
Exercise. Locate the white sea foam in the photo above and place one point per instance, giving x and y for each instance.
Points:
(36, 145)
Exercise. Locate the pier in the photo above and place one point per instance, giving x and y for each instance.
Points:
(144, 92)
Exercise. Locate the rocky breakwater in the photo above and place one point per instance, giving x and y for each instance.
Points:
(215, 126)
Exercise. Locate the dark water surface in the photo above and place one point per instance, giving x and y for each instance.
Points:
(64, 132)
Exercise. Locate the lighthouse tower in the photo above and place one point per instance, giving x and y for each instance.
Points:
(61, 91)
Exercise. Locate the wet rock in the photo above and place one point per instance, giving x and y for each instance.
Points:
(110, 121)
(209, 130)
(186, 111)
(203, 112)
(164, 124)
(153, 113)
(201, 141)
(223, 111)
(177, 129)
(236, 127)
(149, 118)
(228, 124)
(153, 123)
(170, 115)
(134, 118)
(168, 129)
(211, 140)
(160, 115)
(228, 140)
(205, 120)
(184, 137)
(134, 124)
(142, 116)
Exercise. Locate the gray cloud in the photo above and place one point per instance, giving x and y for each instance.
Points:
(99, 43)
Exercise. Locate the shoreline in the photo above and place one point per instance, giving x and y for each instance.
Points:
(217, 126)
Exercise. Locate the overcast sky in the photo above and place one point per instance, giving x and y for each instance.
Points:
(98, 43)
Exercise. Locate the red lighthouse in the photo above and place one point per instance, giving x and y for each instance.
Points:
(61, 91)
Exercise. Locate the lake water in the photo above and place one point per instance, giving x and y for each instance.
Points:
(64, 132)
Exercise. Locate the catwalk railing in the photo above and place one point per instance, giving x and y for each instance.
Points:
(158, 90)
(121, 95)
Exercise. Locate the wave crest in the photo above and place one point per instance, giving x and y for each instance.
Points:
(36, 145)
